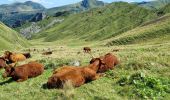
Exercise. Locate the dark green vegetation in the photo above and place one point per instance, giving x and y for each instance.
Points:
(146, 87)
(10, 39)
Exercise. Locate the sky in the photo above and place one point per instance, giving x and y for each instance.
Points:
(56, 3)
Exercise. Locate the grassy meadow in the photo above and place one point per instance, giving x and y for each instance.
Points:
(142, 74)
(141, 37)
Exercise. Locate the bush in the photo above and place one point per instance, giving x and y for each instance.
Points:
(145, 86)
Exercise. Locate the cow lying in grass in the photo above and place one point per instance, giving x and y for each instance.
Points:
(108, 62)
(23, 72)
(76, 75)
(13, 57)
(2, 62)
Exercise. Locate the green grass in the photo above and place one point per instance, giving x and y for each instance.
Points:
(151, 60)
(143, 72)
(99, 23)
(9, 39)
(157, 31)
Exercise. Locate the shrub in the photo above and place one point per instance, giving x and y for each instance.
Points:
(145, 86)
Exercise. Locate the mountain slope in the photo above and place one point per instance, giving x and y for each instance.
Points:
(9, 39)
(77, 7)
(21, 7)
(99, 23)
(155, 31)
(154, 4)
(165, 9)
(17, 13)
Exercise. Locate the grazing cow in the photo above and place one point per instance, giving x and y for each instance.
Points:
(87, 49)
(108, 62)
(23, 72)
(2, 62)
(27, 55)
(47, 53)
(13, 57)
(76, 75)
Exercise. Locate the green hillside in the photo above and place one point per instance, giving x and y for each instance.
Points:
(155, 31)
(99, 23)
(155, 4)
(10, 39)
(165, 9)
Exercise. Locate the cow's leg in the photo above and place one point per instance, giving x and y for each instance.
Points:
(23, 79)
(97, 76)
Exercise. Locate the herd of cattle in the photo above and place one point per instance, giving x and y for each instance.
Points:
(77, 75)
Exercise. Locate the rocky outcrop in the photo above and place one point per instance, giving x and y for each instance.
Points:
(35, 28)
(38, 17)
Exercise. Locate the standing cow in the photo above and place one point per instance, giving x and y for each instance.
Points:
(87, 49)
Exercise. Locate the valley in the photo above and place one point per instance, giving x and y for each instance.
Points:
(134, 32)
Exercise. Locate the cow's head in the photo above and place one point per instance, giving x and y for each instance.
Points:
(7, 55)
(101, 63)
(2, 62)
(8, 71)
(53, 82)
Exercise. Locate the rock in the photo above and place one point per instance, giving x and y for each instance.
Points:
(75, 63)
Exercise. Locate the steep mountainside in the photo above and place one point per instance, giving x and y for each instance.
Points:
(16, 14)
(30, 28)
(155, 31)
(21, 7)
(154, 4)
(10, 39)
(165, 9)
(74, 8)
(99, 23)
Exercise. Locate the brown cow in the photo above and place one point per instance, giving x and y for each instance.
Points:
(87, 49)
(27, 55)
(23, 72)
(108, 62)
(47, 53)
(2, 62)
(76, 75)
(13, 57)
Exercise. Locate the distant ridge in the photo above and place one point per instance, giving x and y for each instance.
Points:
(17, 13)
(77, 7)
